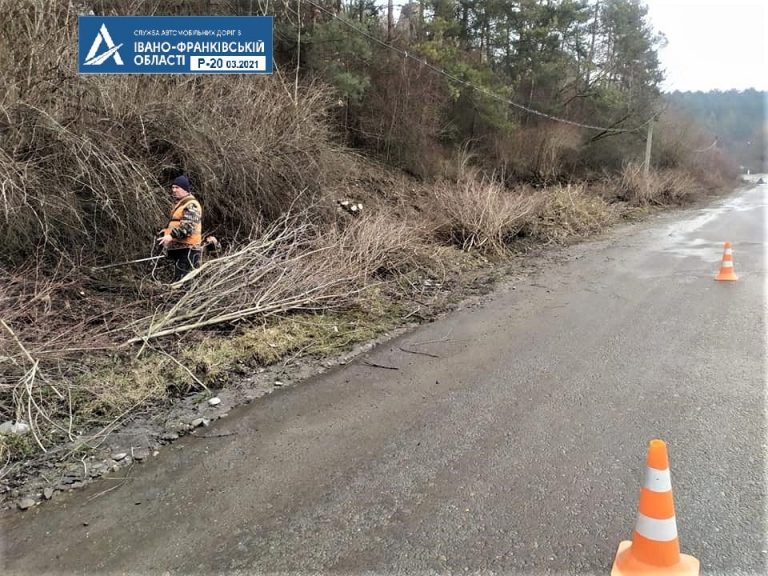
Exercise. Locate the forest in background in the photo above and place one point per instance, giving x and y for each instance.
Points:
(735, 118)
(510, 69)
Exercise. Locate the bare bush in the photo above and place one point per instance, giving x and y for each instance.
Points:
(464, 164)
(84, 160)
(49, 325)
(379, 245)
(482, 214)
(539, 152)
(688, 159)
(660, 188)
(402, 115)
(678, 187)
(713, 170)
(569, 212)
(634, 187)
(677, 139)
(57, 312)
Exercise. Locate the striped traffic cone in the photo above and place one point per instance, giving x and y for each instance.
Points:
(654, 548)
(726, 267)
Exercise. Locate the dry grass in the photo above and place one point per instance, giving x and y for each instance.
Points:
(312, 289)
(84, 160)
(570, 212)
(662, 188)
(217, 360)
(381, 245)
(713, 170)
(481, 214)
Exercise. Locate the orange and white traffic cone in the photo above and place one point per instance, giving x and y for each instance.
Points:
(655, 548)
(726, 268)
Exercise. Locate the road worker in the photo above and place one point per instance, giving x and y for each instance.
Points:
(182, 238)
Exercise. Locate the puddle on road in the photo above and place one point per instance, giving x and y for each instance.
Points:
(675, 239)
(743, 204)
(707, 250)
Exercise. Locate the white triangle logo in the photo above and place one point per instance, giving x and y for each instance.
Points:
(112, 51)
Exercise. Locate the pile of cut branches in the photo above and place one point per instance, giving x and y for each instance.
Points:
(294, 266)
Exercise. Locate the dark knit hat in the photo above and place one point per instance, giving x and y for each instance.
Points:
(181, 182)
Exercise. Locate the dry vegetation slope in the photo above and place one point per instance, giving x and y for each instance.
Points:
(83, 164)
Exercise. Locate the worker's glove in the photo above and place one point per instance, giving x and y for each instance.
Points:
(211, 244)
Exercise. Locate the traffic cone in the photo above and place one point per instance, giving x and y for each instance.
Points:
(654, 548)
(726, 268)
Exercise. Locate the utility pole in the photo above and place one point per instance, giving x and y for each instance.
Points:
(298, 54)
(390, 14)
(648, 144)
(591, 58)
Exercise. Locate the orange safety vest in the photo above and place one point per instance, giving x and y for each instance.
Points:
(193, 240)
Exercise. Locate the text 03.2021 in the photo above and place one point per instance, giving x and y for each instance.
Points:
(227, 63)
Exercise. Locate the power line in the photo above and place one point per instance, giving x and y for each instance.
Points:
(485, 91)
(707, 148)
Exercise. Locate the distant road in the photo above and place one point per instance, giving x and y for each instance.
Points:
(519, 450)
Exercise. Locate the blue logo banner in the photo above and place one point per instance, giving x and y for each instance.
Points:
(175, 45)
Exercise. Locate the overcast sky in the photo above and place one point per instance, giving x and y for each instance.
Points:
(712, 44)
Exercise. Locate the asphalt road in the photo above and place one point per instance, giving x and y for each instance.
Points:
(520, 450)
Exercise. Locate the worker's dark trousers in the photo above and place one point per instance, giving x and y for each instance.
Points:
(184, 260)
